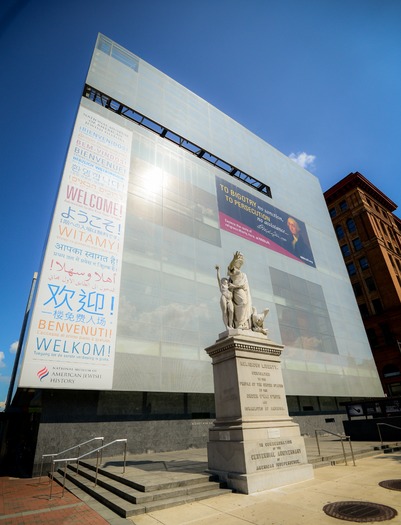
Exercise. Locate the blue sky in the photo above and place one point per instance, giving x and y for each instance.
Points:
(320, 80)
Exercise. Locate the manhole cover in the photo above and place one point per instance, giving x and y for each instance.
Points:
(360, 511)
(392, 484)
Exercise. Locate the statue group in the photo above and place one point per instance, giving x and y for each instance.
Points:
(235, 301)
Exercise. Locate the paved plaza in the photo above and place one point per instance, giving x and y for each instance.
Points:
(25, 501)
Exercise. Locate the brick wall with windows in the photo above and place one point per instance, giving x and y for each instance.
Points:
(369, 236)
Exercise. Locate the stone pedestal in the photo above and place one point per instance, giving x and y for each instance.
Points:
(253, 445)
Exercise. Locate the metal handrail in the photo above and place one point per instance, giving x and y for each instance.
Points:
(342, 437)
(387, 425)
(64, 451)
(77, 459)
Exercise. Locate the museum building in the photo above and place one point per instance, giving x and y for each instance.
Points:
(159, 187)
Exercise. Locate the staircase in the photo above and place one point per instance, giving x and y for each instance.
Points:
(333, 459)
(157, 481)
(331, 453)
(145, 487)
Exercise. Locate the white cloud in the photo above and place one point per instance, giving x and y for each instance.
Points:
(13, 347)
(2, 357)
(303, 159)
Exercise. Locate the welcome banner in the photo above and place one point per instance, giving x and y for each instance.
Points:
(71, 340)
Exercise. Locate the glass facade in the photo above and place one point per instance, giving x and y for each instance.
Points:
(180, 223)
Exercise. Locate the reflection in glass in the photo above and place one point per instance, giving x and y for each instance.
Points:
(300, 325)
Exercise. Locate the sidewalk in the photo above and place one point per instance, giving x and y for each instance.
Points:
(298, 504)
(25, 502)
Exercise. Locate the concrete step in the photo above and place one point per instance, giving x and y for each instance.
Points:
(117, 493)
(338, 457)
(150, 479)
(389, 450)
(122, 487)
(120, 506)
(189, 498)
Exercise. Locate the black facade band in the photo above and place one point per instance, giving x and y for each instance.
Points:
(134, 116)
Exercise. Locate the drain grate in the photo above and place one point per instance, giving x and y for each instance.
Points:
(359, 511)
(392, 484)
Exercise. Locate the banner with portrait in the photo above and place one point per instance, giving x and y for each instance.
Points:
(254, 219)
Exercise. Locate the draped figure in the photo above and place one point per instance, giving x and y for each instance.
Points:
(241, 294)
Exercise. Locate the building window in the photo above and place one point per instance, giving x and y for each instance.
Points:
(339, 232)
(377, 305)
(370, 283)
(357, 289)
(332, 212)
(351, 225)
(391, 371)
(351, 269)
(111, 48)
(357, 244)
(370, 332)
(345, 249)
(364, 310)
(388, 336)
(394, 389)
(343, 205)
(363, 262)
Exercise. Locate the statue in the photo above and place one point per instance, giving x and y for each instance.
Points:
(258, 320)
(236, 302)
(226, 300)
(241, 293)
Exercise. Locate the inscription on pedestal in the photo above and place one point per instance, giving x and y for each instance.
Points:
(261, 388)
(276, 454)
(253, 445)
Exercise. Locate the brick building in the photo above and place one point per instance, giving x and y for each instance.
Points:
(369, 235)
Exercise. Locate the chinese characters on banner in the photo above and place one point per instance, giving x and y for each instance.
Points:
(71, 341)
(251, 218)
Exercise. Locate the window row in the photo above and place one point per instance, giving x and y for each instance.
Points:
(370, 285)
(377, 308)
(363, 263)
(396, 263)
(386, 334)
(388, 232)
(351, 227)
(357, 244)
(343, 206)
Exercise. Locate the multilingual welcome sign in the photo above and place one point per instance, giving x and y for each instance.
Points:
(71, 341)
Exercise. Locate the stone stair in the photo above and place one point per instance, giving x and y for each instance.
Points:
(338, 459)
(162, 480)
(136, 492)
(332, 457)
(389, 449)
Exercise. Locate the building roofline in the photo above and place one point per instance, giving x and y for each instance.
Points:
(357, 180)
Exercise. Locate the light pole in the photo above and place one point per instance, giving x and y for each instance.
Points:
(20, 342)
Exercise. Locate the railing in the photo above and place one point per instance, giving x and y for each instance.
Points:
(342, 437)
(98, 451)
(64, 452)
(387, 425)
